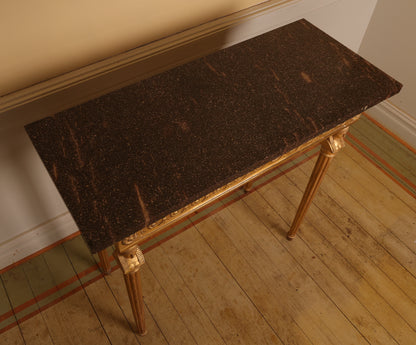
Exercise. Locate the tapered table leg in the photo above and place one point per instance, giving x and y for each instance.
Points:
(329, 148)
(130, 263)
(104, 263)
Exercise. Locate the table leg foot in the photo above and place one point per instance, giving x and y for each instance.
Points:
(130, 263)
(329, 148)
(290, 237)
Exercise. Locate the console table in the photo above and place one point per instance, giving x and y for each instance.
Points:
(133, 162)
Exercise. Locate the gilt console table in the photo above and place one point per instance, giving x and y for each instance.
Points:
(131, 163)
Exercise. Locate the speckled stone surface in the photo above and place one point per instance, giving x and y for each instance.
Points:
(129, 158)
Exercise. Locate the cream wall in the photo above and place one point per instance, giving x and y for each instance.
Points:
(391, 44)
(64, 35)
(32, 214)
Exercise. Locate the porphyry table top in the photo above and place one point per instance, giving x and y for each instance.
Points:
(131, 157)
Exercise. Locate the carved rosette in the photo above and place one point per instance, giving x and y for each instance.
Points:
(131, 261)
(334, 143)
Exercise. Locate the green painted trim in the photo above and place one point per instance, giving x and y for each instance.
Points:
(404, 184)
(386, 147)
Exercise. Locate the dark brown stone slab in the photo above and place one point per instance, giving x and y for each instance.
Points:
(129, 158)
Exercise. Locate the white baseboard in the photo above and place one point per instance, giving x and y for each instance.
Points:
(396, 120)
(33, 240)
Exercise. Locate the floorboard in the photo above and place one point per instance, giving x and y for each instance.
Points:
(355, 256)
(180, 295)
(12, 337)
(35, 331)
(224, 301)
(351, 307)
(336, 262)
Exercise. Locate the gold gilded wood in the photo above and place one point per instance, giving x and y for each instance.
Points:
(129, 239)
(104, 262)
(157, 227)
(329, 149)
(130, 262)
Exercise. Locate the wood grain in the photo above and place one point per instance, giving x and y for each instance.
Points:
(335, 261)
(359, 316)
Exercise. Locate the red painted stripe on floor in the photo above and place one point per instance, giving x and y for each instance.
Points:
(382, 161)
(394, 136)
(39, 252)
(4, 329)
(383, 171)
(6, 315)
(58, 299)
(48, 293)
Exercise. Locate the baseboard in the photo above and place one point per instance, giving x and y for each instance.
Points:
(36, 239)
(396, 120)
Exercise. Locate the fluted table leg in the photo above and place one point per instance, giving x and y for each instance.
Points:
(130, 263)
(329, 149)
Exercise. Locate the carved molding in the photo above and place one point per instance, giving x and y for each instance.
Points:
(129, 239)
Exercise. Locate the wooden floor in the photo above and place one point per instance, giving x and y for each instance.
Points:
(233, 278)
